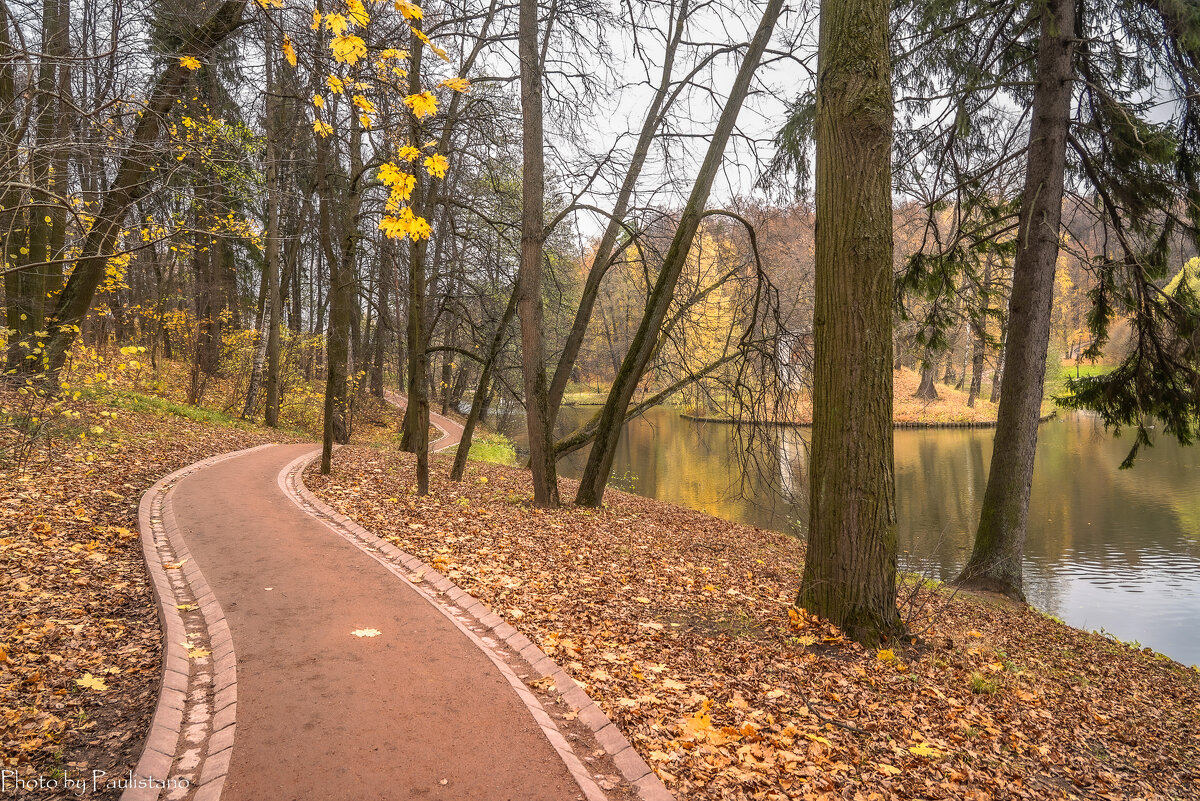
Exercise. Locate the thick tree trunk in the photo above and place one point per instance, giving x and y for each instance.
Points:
(850, 566)
(612, 417)
(996, 560)
(341, 298)
(538, 417)
(927, 390)
(12, 227)
(39, 271)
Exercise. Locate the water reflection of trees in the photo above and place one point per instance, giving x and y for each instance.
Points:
(1089, 521)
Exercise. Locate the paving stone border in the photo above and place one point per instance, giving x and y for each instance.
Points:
(496, 639)
(187, 752)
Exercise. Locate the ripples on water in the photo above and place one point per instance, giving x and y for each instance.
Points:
(1107, 548)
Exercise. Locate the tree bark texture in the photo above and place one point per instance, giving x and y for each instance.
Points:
(538, 417)
(996, 559)
(850, 566)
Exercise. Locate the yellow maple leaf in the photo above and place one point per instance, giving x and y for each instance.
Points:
(198, 653)
(925, 750)
(885, 655)
(190, 62)
(322, 129)
(457, 84)
(409, 10)
(366, 632)
(436, 166)
(289, 52)
(389, 173)
(348, 49)
(336, 85)
(422, 105)
(358, 13)
(90, 682)
(316, 23)
(318, 101)
(336, 23)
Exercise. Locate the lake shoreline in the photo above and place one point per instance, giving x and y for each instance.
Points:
(896, 424)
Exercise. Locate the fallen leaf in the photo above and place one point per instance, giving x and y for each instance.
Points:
(90, 682)
(925, 750)
(366, 632)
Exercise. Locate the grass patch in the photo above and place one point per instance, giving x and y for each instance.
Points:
(982, 685)
(494, 448)
(152, 404)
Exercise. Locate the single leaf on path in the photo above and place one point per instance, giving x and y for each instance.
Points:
(90, 682)
(366, 632)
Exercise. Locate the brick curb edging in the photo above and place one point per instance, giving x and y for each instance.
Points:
(188, 748)
(463, 610)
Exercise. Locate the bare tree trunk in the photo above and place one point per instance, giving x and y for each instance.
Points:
(479, 401)
(258, 363)
(850, 566)
(341, 297)
(604, 255)
(927, 391)
(416, 434)
(608, 428)
(383, 324)
(11, 227)
(996, 561)
(978, 341)
(538, 416)
(272, 265)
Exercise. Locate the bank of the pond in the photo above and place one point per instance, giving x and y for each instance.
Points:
(678, 623)
(949, 409)
(896, 424)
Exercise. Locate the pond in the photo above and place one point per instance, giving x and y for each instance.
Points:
(1110, 549)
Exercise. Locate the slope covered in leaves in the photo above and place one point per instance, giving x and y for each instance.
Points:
(80, 647)
(681, 626)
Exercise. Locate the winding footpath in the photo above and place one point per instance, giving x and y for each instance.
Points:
(452, 430)
(307, 659)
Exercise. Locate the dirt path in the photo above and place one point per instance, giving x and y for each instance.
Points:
(417, 712)
(452, 430)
